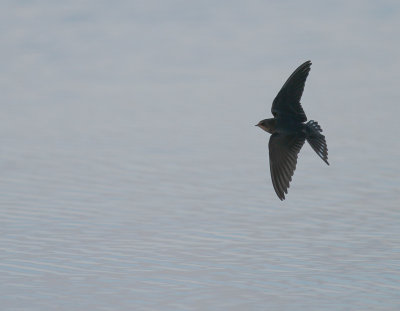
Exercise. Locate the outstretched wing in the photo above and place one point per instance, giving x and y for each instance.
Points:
(283, 151)
(287, 103)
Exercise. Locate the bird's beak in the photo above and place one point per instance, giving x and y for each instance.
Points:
(257, 125)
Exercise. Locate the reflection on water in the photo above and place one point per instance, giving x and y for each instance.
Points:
(160, 199)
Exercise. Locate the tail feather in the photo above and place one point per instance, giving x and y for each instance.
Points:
(317, 140)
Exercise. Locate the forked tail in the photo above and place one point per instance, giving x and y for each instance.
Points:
(317, 140)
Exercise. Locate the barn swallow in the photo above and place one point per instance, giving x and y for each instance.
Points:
(289, 131)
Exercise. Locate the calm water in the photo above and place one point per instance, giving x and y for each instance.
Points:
(132, 177)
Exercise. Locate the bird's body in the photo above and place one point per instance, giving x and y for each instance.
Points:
(289, 132)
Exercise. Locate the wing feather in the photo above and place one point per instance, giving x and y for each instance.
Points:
(283, 152)
(287, 103)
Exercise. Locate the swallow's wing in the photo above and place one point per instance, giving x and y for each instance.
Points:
(283, 151)
(287, 103)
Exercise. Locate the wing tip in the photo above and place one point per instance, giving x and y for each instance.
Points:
(307, 66)
(281, 195)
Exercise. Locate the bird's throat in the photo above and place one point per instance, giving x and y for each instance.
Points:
(269, 125)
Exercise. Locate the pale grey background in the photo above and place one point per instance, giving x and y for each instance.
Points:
(132, 177)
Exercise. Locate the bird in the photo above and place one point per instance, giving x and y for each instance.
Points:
(289, 131)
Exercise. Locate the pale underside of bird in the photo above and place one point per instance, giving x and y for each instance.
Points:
(289, 132)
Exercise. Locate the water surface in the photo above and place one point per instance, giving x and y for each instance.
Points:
(132, 177)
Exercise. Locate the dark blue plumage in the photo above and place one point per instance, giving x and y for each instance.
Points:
(289, 132)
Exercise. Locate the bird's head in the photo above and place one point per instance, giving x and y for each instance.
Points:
(267, 125)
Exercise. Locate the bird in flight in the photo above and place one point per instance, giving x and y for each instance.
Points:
(289, 132)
